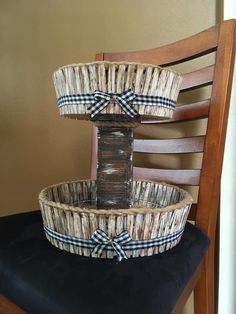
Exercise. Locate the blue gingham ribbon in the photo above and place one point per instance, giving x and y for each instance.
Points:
(131, 245)
(101, 240)
(103, 99)
(99, 100)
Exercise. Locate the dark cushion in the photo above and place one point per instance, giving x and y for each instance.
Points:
(43, 279)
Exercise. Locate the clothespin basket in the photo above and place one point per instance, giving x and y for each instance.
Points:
(156, 89)
(115, 216)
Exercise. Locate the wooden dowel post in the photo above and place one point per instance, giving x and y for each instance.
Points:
(114, 163)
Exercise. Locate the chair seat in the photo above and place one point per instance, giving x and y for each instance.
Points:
(43, 279)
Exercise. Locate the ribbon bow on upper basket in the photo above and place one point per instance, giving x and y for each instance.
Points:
(102, 240)
(103, 99)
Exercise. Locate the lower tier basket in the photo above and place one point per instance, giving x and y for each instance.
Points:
(154, 223)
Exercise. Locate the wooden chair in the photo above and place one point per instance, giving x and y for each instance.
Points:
(221, 41)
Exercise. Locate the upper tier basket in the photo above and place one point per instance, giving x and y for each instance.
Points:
(86, 90)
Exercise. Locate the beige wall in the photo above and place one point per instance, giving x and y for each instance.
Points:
(38, 147)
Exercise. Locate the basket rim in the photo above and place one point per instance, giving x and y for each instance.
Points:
(186, 201)
(144, 117)
(80, 64)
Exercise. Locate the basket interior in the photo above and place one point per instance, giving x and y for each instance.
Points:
(82, 194)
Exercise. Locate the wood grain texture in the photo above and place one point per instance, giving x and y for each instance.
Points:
(221, 39)
(170, 146)
(171, 176)
(114, 167)
(193, 111)
(209, 192)
(94, 149)
(196, 79)
(174, 53)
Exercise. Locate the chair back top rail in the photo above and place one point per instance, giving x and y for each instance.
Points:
(181, 51)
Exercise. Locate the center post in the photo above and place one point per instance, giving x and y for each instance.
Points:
(114, 160)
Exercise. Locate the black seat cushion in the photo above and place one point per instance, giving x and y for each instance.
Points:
(43, 279)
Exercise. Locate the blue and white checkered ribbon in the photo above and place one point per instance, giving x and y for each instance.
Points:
(131, 245)
(123, 99)
(99, 100)
(102, 240)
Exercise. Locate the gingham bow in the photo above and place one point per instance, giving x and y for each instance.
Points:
(103, 99)
(101, 240)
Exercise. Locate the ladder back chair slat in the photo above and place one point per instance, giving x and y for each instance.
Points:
(198, 110)
(170, 146)
(171, 176)
(198, 78)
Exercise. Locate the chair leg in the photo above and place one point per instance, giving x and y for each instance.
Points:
(7, 307)
(204, 292)
(187, 291)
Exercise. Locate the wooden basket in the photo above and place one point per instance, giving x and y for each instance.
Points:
(155, 221)
(155, 89)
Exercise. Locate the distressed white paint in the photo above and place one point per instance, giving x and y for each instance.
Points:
(121, 152)
(110, 170)
(111, 202)
(227, 263)
(117, 133)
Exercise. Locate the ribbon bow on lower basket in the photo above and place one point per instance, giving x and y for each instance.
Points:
(102, 240)
(103, 99)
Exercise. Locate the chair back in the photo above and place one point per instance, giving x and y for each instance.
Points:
(204, 100)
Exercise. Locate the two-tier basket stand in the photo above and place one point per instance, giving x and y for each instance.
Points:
(115, 216)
